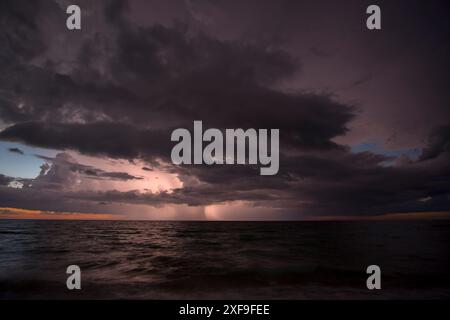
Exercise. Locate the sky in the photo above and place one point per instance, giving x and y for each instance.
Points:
(86, 115)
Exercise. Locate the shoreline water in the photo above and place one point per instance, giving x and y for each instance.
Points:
(224, 260)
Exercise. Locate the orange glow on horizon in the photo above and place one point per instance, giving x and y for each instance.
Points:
(26, 214)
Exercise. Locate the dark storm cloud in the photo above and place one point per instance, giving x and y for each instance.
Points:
(16, 150)
(4, 180)
(342, 185)
(439, 143)
(127, 86)
(63, 163)
(333, 182)
(47, 199)
(19, 25)
(164, 75)
(115, 140)
(19, 43)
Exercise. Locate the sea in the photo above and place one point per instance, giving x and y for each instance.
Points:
(224, 260)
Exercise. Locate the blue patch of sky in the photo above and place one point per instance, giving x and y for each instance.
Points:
(375, 148)
(22, 166)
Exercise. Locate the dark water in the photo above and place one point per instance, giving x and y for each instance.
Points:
(224, 260)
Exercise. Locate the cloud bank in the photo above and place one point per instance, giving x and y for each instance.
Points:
(117, 89)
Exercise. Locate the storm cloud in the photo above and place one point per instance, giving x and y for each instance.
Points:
(123, 84)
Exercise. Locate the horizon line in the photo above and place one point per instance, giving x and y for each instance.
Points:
(8, 213)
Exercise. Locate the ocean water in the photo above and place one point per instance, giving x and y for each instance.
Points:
(224, 260)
